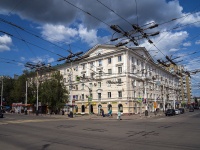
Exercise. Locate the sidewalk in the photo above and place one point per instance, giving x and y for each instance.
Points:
(96, 117)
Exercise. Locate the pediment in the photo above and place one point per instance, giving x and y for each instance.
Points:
(100, 50)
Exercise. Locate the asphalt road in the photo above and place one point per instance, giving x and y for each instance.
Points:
(20, 132)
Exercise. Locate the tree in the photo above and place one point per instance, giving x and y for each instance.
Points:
(8, 85)
(19, 89)
(53, 92)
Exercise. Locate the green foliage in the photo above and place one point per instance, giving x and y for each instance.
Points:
(8, 85)
(19, 89)
(53, 92)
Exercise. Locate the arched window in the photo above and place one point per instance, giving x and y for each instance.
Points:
(76, 109)
(83, 108)
(99, 109)
(120, 107)
(109, 107)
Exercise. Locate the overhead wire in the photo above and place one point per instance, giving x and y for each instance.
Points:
(126, 20)
(86, 12)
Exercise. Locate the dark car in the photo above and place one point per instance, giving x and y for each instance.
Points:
(191, 109)
(182, 110)
(170, 112)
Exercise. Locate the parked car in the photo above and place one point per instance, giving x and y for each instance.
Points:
(191, 109)
(177, 111)
(196, 107)
(182, 110)
(170, 112)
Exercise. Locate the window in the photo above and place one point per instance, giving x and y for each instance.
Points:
(109, 94)
(100, 62)
(100, 73)
(119, 70)
(133, 69)
(109, 71)
(91, 85)
(119, 58)
(83, 65)
(65, 72)
(83, 76)
(92, 75)
(119, 94)
(109, 83)
(99, 96)
(132, 59)
(99, 84)
(82, 86)
(119, 81)
(82, 96)
(91, 65)
(137, 62)
(76, 68)
(76, 86)
(109, 60)
(75, 97)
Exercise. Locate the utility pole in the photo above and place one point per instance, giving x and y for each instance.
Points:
(37, 67)
(2, 93)
(26, 94)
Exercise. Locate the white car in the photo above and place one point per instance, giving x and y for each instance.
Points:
(177, 111)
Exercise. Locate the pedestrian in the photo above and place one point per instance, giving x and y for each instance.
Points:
(103, 113)
(119, 115)
(110, 113)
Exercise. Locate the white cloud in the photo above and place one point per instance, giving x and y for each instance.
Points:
(191, 18)
(58, 33)
(90, 36)
(167, 42)
(41, 59)
(197, 42)
(174, 49)
(50, 60)
(5, 43)
(22, 58)
(187, 44)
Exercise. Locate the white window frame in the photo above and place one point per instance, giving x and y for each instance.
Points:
(109, 95)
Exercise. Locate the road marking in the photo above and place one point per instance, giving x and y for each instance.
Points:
(2, 123)
(161, 118)
(28, 121)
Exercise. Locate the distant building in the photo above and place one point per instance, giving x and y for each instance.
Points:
(184, 83)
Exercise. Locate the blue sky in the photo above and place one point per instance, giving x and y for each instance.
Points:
(42, 31)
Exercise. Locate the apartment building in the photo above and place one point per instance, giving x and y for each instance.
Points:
(184, 83)
(119, 79)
